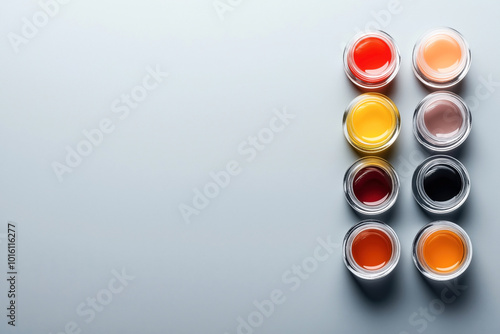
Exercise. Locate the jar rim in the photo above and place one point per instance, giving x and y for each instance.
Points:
(352, 172)
(440, 207)
(360, 77)
(354, 267)
(357, 142)
(433, 78)
(417, 250)
(429, 140)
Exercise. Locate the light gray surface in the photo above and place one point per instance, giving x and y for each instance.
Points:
(120, 207)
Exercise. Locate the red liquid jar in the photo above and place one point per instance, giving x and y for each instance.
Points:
(371, 60)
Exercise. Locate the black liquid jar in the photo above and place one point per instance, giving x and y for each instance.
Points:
(441, 184)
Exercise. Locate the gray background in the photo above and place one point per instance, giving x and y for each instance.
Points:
(120, 207)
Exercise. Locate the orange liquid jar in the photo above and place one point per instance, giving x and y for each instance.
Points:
(371, 249)
(441, 58)
(442, 250)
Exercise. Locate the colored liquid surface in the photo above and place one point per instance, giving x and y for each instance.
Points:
(441, 54)
(443, 119)
(372, 186)
(372, 249)
(372, 55)
(371, 122)
(443, 251)
(442, 183)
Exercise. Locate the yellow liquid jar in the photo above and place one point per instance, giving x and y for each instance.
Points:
(371, 123)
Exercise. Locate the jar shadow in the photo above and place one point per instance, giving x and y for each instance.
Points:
(454, 294)
(379, 291)
(458, 88)
(385, 154)
(386, 216)
(387, 90)
(459, 153)
(458, 216)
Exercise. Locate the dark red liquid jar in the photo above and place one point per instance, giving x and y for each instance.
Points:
(371, 186)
